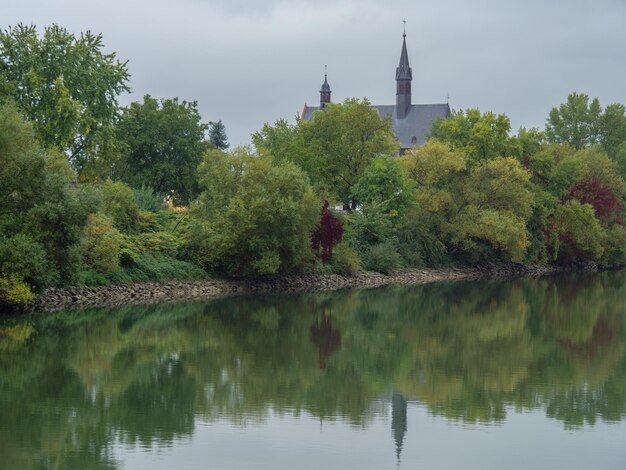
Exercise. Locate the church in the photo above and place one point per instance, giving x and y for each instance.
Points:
(411, 122)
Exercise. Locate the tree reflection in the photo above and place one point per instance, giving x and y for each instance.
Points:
(325, 338)
(74, 383)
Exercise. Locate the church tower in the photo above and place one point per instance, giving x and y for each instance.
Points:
(325, 91)
(404, 75)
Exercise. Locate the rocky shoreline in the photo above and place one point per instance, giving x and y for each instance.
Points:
(152, 292)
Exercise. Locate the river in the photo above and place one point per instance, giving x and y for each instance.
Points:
(529, 373)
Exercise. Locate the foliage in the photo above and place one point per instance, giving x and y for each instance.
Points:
(254, 216)
(102, 244)
(67, 86)
(383, 258)
(278, 140)
(41, 219)
(334, 148)
(501, 184)
(575, 122)
(345, 260)
(579, 233)
(480, 233)
(148, 200)
(119, 203)
(328, 232)
(217, 135)
(480, 136)
(614, 247)
(163, 142)
(145, 268)
(14, 290)
(581, 122)
(383, 183)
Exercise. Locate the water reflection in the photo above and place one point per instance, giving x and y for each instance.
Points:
(74, 383)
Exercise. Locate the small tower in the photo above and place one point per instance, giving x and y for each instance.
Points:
(325, 91)
(404, 75)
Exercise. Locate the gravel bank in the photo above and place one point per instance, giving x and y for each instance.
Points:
(150, 292)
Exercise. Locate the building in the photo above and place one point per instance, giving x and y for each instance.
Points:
(411, 122)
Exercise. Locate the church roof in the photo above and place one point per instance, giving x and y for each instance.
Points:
(403, 71)
(325, 85)
(417, 123)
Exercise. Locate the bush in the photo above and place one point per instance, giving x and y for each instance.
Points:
(158, 242)
(418, 245)
(102, 244)
(254, 217)
(614, 247)
(382, 258)
(148, 200)
(14, 290)
(119, 204)
(345, 260)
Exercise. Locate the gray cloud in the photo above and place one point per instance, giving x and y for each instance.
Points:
(250, 62)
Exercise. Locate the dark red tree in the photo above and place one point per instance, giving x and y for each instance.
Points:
(328, 232)
(591, 190)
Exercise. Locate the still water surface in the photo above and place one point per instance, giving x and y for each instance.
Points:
(515, 375)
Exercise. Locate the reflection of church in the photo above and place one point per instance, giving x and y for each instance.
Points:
(411, 122)
(398, 422)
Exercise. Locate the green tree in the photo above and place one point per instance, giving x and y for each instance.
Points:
(278, 140)
(578, 233)
(479, 135)
(612, 125)
(384, 183)
(102, 244)
(163, 143)
(338, 144)
(68, 87)
(41, 216)
(575, 122)
(253, 217)
(217, 135)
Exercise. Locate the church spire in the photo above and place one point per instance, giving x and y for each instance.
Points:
(404, 75)
(325, 90)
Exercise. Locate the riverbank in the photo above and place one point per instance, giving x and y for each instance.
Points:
(152, 292)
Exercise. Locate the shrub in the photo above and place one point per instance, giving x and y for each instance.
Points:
(577, 233)
(14, 290)
(253, 218)
(614, 244)
(345, 260)
(382, 258)
(119, 204)
(148, 200)
(102, 244)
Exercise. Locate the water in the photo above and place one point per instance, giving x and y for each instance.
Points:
(516, 375)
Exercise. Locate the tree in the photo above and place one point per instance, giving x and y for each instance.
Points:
(329, 232)
(68, 87)
(577, 234)
(277, 140)
(41, 217)
(575, 122)
(339, 143)
(479, 135)
(496, 204)
(163, 143)
(254, 217)
(217, 135)
(384, 183)
(612, 125)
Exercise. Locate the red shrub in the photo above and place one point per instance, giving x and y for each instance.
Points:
(328, 233)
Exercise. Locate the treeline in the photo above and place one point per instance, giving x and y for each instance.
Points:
(96, 193)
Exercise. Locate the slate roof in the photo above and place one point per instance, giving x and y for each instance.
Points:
(403, 71)
(417, 122)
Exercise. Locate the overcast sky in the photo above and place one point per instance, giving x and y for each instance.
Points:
(248, 62)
